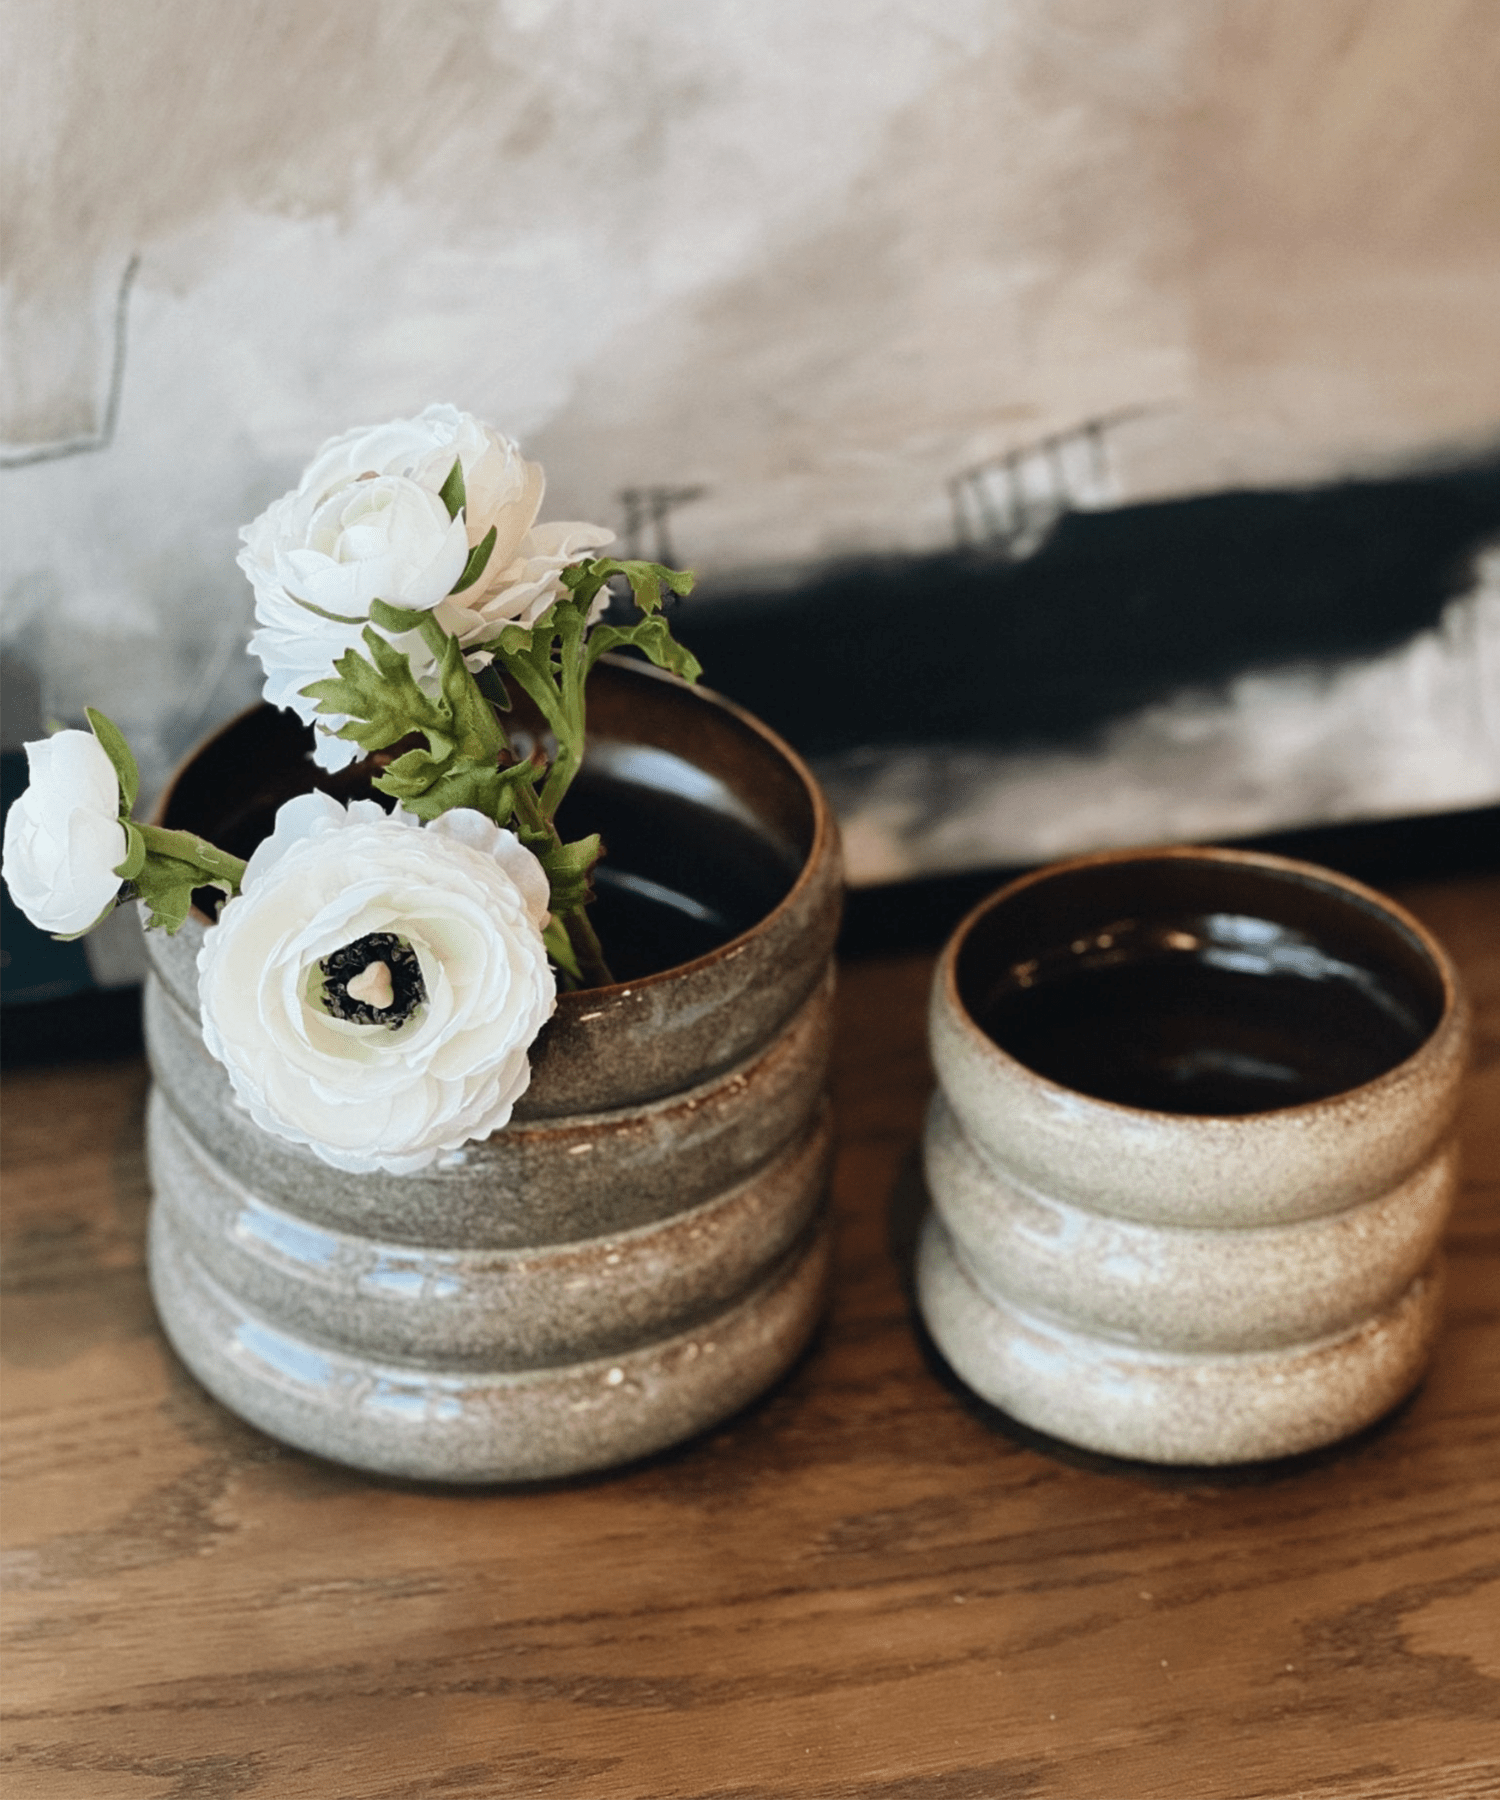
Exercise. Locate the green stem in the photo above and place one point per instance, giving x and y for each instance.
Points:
(220, 869)
(538, 829)
(434, 637)
(531, 681)
(587, 948)
(559, 697)
(560, 949)
(570, 728)
(534, 825)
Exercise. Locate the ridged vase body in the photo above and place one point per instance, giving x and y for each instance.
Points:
(1175, 1288)
(640, 1253)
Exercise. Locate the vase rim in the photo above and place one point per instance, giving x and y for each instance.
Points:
(1448, 1028)
(823, 837)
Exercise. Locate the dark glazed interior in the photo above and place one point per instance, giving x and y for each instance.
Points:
(706, 823)
(1198, 984)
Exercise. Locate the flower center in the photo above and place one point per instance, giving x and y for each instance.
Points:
(376, 980)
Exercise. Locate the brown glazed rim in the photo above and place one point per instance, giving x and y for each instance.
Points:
(822, 836)
(947, 973)
(822, 815)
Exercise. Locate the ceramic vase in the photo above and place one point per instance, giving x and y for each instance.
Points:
(1165, 1238)
(643, 1250)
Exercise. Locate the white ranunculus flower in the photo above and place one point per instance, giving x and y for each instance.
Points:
(503, 491)
(63, 837)
(380, 538)
(518, 592)
(502, 488)
(385, 538)
(374, 989)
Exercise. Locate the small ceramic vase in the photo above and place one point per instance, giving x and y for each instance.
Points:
(1191, 1153)
(642, 1251)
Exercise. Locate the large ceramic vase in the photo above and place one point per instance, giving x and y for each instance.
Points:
(1191, 1153)
(644, 1249)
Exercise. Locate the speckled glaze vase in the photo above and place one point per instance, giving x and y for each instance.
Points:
(642, 1251)
(1191, 1153)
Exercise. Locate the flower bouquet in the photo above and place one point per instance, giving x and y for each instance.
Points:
(435, 1194)
(400, 590)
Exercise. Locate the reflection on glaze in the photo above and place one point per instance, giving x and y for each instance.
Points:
(405, 1280)
(416, 1403)
(291, 1238)
(656, 894)
(286, 1359)
(648, 767)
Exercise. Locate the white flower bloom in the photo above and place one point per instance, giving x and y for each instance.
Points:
(385, 538)
(521, 590)
(374, 989)
(503, 491)
(63, 837)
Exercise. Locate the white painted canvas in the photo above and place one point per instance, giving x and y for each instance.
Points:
(832, 279)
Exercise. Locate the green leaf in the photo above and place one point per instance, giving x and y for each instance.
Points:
(550, 660)
(135, 852)
(395, 618)
(166, 888)
(379, 694)
(646, 579)
(568, 868)
(560, 949)
(112, 742)
(651, 634)
(475, 728)
(490, 684)
(525, 640)
(479, 558)
(218, 867)
(175, 863)
(427, 795)
(452, 492)
(653, 638)
(583, 580)
(458, 764)
(527, 654)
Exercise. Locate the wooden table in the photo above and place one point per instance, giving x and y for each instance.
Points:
(862, 1587)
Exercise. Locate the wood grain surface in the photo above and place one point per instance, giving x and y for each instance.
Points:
(864, 1586)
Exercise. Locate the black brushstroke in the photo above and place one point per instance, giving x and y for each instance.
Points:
(1117, 610)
